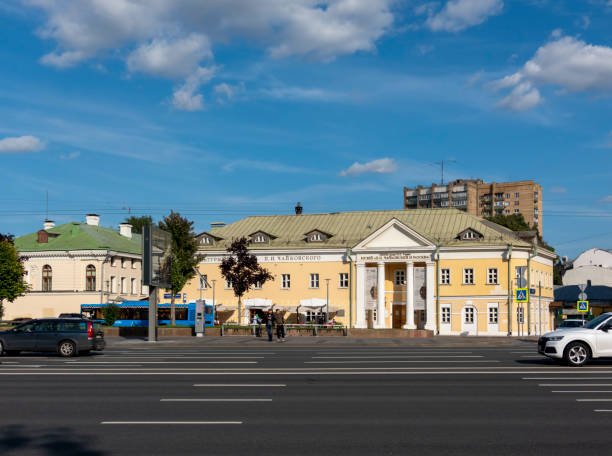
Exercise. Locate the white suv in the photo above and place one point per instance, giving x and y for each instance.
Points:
(578, 345)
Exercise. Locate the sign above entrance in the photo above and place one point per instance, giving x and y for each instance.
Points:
(395, 257)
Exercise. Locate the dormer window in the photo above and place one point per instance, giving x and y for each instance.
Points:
(316, 236)
(260, 239)
(206, 239)
(469, 235)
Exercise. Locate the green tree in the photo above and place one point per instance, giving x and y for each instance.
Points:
(516, 222)
(184, 253)
(111, 314)
(138, 222)
(241, 269)
(12, 283)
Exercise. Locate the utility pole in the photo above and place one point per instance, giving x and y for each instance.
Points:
(540, 308)
(327, 309)
(214, 302)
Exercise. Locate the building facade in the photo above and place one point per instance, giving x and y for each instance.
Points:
(477, 197)
(77, 263)
(442, 270)
(591, 266)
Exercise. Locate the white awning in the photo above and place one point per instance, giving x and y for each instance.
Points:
(257, 303)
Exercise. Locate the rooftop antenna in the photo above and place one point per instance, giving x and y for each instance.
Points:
(47, 205)
(441, 163)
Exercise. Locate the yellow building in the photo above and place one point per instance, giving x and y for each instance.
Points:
(440, 269)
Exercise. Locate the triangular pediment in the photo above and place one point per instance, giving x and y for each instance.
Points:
(393, 235)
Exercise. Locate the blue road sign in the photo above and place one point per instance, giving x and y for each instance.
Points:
(521, 295)
(532, 290)
(184, 298)
(583, 306)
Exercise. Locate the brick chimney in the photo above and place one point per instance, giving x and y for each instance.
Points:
(298, 209)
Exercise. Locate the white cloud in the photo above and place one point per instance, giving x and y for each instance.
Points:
(171, 58)
(586, 22)
(568, 63)
(523, 97)
(20, 144)
(380, 166)
(607, 199)
(458, 15)
(556, 33)
(301, 94)
(185, 97)
(70, 156)
(228, 91)
(62, 60)
(473, 79)
(424, 49)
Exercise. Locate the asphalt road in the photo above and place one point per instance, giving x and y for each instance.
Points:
(293, 400)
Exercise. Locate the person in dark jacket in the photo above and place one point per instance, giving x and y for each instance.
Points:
(269, 321)
(279, 322)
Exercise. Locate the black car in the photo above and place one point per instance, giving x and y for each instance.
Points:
(67, 336)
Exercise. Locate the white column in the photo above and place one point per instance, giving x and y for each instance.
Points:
(360, 321)
(430, 304)
(380, 308)
(409, 297)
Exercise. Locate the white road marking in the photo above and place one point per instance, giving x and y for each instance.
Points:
(183, 357)
(593, 400)
(161, 362)
(400, 361)
(239, 385)
(171, 422)
(396, 356)
(583, 391)
(602, 410)
(575, 384)
(568, 378)
(216, 400)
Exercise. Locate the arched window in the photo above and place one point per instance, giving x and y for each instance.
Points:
(90, 278)
(47, 277)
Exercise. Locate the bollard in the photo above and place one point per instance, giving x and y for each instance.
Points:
(315, 331)
(345, 331)
(222, 331)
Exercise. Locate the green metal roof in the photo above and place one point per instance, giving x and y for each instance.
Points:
(80, 236)
(347, 229)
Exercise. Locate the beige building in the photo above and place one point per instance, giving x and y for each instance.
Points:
(77, 263)
(442, 270)
(477, 197)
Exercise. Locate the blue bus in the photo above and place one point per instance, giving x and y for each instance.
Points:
(136, 313)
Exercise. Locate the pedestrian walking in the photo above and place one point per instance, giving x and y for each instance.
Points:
(279, 322)
(256, 325)
(269, 321)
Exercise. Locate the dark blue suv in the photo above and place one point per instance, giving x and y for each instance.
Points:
(66, 336)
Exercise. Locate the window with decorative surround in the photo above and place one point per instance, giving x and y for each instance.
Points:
(47, 278)
(400, 277)
(90, 278)
(468, 276)
(446, 315)
(444, 276)
(314, 280)
(343, 280)
(492, 276)
(286, 281)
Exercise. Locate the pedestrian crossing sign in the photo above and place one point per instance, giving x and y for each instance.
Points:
(583, 306)
(522, 295)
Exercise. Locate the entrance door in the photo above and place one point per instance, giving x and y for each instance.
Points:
(469, 320)
(399, 315)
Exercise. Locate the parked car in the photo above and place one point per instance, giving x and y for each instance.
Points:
(18, 321)
(67, 336)
(571, 323)
(576, 347)
(70, 315)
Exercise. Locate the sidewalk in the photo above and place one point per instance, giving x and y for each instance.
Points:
(250, 341)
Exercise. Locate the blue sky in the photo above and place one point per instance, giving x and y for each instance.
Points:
(223, 109)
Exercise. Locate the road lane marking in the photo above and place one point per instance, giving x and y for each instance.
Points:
(593, 400)
(583, 391)
(395, 356)
(216, 400)
(569, 378)
(253, 373)
(602, 410)
(161, 362)
(240, 385)
(171, 422)
(400, 361)
(575, 384)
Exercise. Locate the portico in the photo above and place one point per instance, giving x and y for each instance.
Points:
(386, 264)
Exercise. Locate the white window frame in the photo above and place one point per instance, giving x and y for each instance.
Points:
(516, 194)
(468, 277)
(469, 316)
(257, 286)
(399, 277)
(314, 280)
(492, 276)
(285, 281)
(113, 284)
(133, 286)
(316, 237)
(203, 280)
(228, 285)
(493, 315)
(446, 315)
(123, 285)
(445, 276)
(343, 280)
(260, 238)
(124, 263)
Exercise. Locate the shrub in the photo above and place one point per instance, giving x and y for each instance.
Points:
(110, 314)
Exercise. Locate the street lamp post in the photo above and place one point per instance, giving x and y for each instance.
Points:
(327, 302)
(214, 303)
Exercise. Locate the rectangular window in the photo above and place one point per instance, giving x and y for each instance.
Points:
(516, 203)
(516, 195)
(445, 276)
(257, 286)
(228, 284)
(344, 280)
(493, 315)
(446, 315)
(468, 276)
(492, 276)
(123, 285)
(113, 281)
(507, 195)
(400, 277)
(314, 281)
(516, 211)
(469, 315)
(124, 263)
(286, 281)
(133, 287)
(203, 282)
(134, 262)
